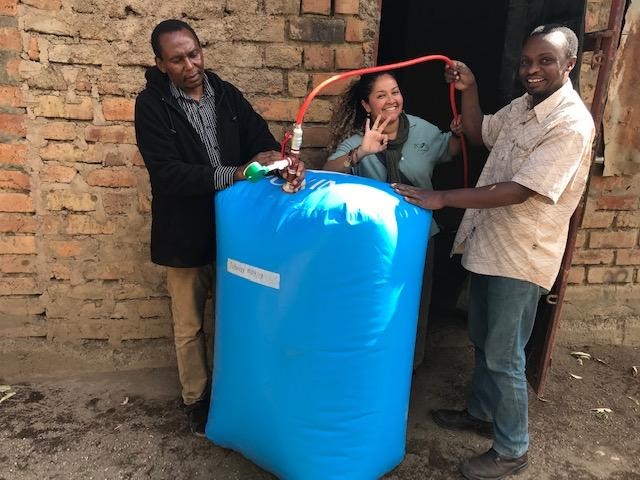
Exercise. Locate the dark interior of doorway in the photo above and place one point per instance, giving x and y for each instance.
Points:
(488, 37)
(465, 30)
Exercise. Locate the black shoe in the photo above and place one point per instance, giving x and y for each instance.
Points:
(462, 420)
(492, 466)
(198, 413)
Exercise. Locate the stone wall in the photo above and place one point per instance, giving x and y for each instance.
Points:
(74, 193)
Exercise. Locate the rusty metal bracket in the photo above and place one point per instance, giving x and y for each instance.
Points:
(597, 59)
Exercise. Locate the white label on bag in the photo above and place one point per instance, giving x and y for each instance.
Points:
(254, 274)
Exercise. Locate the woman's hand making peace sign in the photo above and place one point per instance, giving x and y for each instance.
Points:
(374, 140)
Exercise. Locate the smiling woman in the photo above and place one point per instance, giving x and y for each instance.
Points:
(374, 138)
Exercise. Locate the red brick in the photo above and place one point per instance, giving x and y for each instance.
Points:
(277, 110)
(335, 88)
(598, 219)
(33, 51)
(297, 84)
(315, 29)
(137, 160)
(68, 152)
(71, 201)
(13, 154)
(8, 8)
(621, 239)
(115, 203)
(52, 106)
(19, 286)
(85, 225)
(118, 109)
(59, 270)
(57, 174)
(576, 275)
(581, 239)
(618, 202)
(111, 177)
(318, 57)
(628, 219)
(14, 180)
(51, 224)
(115, 155)
(11, 96)
(13, 125)
(592, 257)
(144, 202)
(316, 136)
(319, 111)
(154, 307)
(12, 67)
(17, 223)
(64, 248)
(280, 7)
(610, 275)
(347, 6)
(46, 4)
(611, 183)
(10, 39)
(18, 244)
(109, 271)
(110, 134)
(15, 202)
(18, 263)
(628, 257)
(349, 56)
(323, 7)
(59, 131)
(355, 30)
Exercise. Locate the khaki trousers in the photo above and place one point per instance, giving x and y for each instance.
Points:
(189, 289)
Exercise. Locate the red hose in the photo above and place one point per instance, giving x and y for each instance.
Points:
(383, 68)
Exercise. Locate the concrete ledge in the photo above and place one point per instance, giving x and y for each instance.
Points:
(27, 358)
(606, 315)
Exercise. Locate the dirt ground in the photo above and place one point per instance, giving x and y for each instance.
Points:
(126, 424)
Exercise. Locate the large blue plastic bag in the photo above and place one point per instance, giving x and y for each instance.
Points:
(316, 309)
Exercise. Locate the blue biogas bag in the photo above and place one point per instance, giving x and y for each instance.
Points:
(316, 309)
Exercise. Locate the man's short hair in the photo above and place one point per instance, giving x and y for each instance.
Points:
(570, 38)
(167, 26)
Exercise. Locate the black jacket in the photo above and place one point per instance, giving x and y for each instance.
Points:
(182, 209)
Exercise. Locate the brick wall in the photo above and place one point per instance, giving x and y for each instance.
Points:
(602, 302)
(75, 197)
(74, 193)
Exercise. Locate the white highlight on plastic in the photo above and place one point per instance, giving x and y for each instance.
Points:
(254, 274)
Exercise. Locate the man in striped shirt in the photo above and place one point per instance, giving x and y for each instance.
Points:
(196, 133)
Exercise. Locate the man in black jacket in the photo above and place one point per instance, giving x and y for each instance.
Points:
(196, 134)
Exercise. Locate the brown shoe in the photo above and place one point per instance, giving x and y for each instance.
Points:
(492, 466)
(462, 420)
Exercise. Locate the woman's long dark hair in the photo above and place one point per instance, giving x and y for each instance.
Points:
(349, 115)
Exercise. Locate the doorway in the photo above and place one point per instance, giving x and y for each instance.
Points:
(464, 30)
(488, 38)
